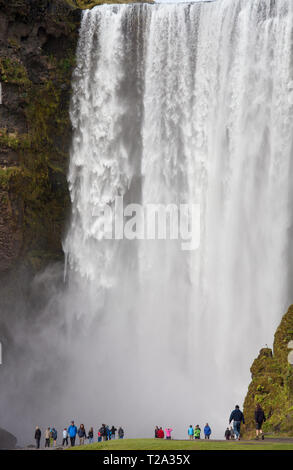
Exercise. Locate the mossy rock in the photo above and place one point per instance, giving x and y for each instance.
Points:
(283, 335)
(272, 384)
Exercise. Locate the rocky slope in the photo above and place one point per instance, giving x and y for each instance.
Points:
(272, 383)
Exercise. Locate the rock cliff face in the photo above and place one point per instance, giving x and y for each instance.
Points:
(272, 383)
(37, 50)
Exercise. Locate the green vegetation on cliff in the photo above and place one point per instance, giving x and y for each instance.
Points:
(272, 384)
(37, 55)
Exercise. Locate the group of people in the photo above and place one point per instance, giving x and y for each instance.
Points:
(231, 432)
(106, 432)
(159, 433)
(194, 432)
(70, 434)
(237, 417)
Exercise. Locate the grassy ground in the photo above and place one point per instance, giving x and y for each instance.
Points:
(154, 444)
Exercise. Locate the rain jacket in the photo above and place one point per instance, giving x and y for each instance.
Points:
(72, 430)
(207, 431)
(236, 415)
(190, 431)
(197, 432)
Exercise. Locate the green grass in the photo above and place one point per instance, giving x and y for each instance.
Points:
(154, 444)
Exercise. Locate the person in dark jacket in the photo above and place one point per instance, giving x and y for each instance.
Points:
(113, 431)
(227, 434)
(120, 433)
(156, 432)
(81, 434)
(103, 432)
(38, 435)
(237, 417)
(259, 417)
(232, 434)
(91, 435)
(54, 436)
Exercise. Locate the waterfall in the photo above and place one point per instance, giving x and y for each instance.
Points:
(180, 103)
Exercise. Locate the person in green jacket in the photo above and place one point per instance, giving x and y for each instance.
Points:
(197, 432)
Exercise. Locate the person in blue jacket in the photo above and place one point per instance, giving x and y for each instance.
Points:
(190, 432)
(237, 417)
(207, 431)
(72, 431)
(108, 431)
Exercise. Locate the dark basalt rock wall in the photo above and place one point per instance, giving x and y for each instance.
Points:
(37, 52)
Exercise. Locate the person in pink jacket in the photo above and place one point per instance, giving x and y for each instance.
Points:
(168, 433)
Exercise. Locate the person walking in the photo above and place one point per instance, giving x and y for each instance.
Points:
(113, 432)
(103, 432)
(259, 419)
(190, 432)
(207, 431)
(168, 433)
(65, 437)
(47, 437)
(91, 436)
(38, 434)
(81, 434)
(54, 436)
(121, 433)
(227, 434)
(72, 431)
(197, 431)
(237, 417)
(99, 436)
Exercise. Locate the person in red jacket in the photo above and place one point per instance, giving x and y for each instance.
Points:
(160, 434)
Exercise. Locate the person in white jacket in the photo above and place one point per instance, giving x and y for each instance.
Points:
(65, 437)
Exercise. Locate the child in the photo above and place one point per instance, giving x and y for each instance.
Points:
(65, 437)
(232, 435)
(197, 432)
(227, 434)
(190, 432)
(91, 436)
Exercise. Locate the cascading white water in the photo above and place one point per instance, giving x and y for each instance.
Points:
(180, 103)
